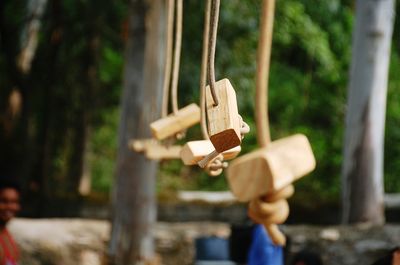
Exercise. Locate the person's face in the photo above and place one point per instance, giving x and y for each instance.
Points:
(9, 204)
(396, 258)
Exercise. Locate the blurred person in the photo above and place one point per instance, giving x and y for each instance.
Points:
(392, 258)
(262, 250)
(306, 257)
(9, 207)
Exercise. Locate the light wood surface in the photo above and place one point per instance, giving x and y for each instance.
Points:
(270, 169)
(140, 145)
(223, 120)
(194, 151)
(175, 123)
(161, 152)
(155, 150)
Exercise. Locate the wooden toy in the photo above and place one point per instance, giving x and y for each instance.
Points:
(176, 122)
(194, 151)
(269, 169)
(223, 120)
(155, 150)
(180, 119)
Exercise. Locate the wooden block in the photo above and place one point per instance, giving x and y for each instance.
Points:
(175, 123)
(270, 169)
(161, 152)
(194, 151)
(223, 120)
(140, 145)
(155, 150)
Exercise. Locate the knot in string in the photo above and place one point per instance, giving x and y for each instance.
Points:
(271, 210)
(244, 127)
(216, 166)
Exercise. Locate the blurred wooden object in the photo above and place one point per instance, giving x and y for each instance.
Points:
(160, 152)
(155, 150)
(176, 122)
(192, 152)
(272, 168)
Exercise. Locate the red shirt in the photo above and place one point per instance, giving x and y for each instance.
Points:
(9, 253)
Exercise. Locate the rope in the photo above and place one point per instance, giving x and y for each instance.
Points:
(168, 57)
(216, 166)
(266, 210)
(212, 40)
(203, 75)
(263, 63)
(177, 56)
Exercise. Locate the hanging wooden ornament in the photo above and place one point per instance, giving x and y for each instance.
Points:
(264, 177)
(180, 119)
(195, 151)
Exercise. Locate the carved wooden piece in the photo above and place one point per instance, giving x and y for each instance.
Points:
(175, 123)
(160, 152)
(194, 151)
(223, 120)
(155, 150)
(270, 169)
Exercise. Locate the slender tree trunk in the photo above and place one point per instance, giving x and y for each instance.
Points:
(362, 172)
(133, 197)
(30, 32)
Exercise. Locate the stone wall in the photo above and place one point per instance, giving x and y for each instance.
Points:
(84, 242)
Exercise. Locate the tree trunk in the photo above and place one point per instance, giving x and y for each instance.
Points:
(362, 172)
(133, 197)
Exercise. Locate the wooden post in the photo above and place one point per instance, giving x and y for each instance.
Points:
(362, 171)
(133, 195)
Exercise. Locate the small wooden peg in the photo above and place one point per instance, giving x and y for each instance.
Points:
(272, 168)
(223, 120)
(155, 150)
(140, 145)
(194, 151)
(160, 152)
(175, 123)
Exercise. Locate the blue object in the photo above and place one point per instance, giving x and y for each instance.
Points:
(211, 248)
(262, 250)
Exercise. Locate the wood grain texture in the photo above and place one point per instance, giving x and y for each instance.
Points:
(175, 123)
(194, 151)
(161, 152)
(272, 168)
(223, 120)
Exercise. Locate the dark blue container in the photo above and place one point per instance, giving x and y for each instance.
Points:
(212, 248)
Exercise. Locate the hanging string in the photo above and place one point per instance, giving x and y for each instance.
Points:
(203, 74)
(212, 40)
(215, 166)
(177, 55)
(273, 208)
(168, 56)
(263, 65)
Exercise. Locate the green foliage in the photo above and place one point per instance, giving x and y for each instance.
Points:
(103, 150)
(392, 135)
